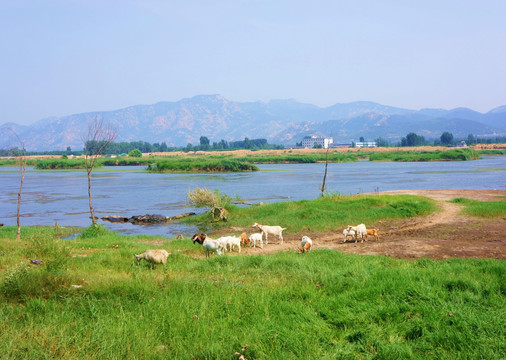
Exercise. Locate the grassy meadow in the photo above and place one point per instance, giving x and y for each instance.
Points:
(89, 299)
(325, 213)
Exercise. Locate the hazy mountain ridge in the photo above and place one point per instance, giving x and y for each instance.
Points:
(279, 121)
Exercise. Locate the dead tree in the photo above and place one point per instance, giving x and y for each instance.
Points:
(325, 174)
(98, 137)
(20, 155)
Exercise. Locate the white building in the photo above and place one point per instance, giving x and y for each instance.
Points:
(310, 141)
(368, 144)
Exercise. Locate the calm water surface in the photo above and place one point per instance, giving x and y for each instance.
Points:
(50, 196)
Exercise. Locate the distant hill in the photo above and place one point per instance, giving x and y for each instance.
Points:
(279, 121)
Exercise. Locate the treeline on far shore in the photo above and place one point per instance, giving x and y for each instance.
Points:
(198, 162)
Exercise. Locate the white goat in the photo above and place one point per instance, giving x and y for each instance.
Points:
(348, 232)
(153, 256)
(208, 244)
(360, 232)
(230, 242)
(257, 237)
(224, 242)
(305, 244)
(273, 230)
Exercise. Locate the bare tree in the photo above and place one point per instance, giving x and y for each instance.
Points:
(98, 137)
(20, 155)
(325, 174)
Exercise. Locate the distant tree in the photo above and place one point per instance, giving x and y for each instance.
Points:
(163, 147)
(135, 153)
(470, 139)
(380, 142)
(446, 138)
(317, 146)
(362, 139)
(189, 147)
(247, 143)
(413, 139)
(100, 135)
(204, 143)
(69, 150)
(353, 144)
(224, 144)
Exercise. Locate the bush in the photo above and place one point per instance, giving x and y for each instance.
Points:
(94, 231)
(135, 153)
(202, 197)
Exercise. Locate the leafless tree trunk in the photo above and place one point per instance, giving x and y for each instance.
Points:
(98, 137)
(22, 170)
(325, 174)
(21, 161)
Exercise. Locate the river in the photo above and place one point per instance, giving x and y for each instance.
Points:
(50, 196)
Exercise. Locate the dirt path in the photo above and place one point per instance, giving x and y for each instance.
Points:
(441, 235)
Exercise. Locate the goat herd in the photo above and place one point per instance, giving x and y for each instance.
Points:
(229, 243)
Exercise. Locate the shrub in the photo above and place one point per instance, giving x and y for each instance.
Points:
(94, 231)
(202, 197)
(135, 153)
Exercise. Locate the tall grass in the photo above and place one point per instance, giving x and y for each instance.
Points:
(484, 209)
(194, 164)
(416, 156)
(300, 158)
(15, 162)
(492, 152)
(44, 164)
(321, 305)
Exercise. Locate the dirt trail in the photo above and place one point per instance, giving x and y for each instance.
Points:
(441, 235)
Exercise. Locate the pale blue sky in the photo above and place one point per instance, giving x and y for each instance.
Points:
(60, 57)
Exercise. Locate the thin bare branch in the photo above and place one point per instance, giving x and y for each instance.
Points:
(99, 133)
(20, 155)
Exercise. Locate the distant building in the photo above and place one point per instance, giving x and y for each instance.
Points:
(311, 141)
(461, 144)
(368, 144)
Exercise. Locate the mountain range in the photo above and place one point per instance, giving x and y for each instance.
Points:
(279, 121)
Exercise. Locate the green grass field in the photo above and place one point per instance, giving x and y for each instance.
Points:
(90, 300)
(323, 304)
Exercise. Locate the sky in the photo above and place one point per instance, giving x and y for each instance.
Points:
(62, 57)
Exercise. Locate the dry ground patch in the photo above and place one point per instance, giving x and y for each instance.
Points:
(441, 235)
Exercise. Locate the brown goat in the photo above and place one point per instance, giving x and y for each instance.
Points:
(373, 232)
(199, 238)
(244, 237)
(305, 244)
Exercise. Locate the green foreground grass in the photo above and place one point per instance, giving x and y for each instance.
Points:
(89, 299)
(320, 305)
